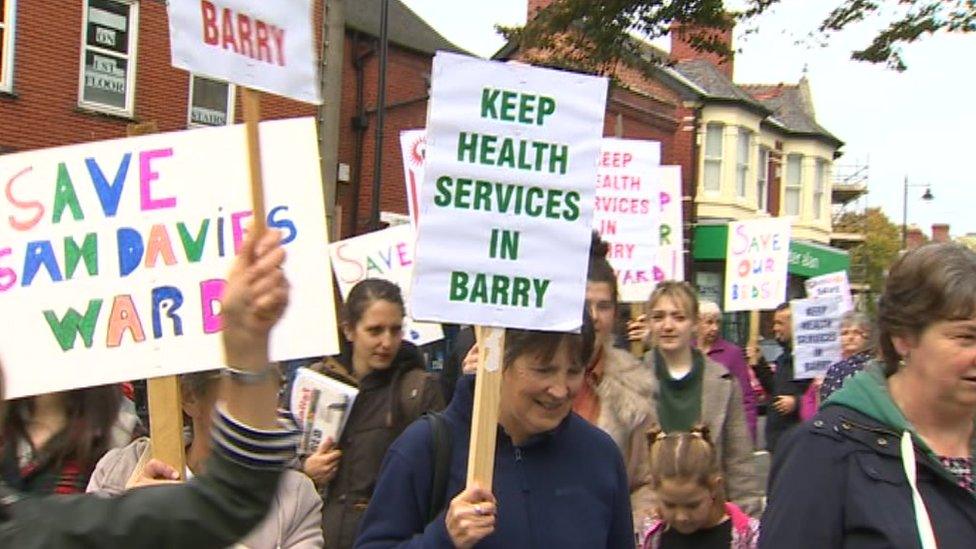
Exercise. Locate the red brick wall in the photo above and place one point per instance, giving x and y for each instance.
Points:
(682, 50)
(44, 112)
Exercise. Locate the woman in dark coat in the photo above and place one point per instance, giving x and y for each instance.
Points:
(888, 460)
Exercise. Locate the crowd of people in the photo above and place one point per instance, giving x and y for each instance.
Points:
(597, 446)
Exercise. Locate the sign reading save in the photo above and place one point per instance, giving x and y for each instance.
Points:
(506, 210)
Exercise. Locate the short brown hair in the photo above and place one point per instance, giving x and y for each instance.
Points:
(681, 292)
(932, 283)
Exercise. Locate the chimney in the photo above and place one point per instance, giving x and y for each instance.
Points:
(914, 238)
(683, 35)
(940, 232)
(534, 6)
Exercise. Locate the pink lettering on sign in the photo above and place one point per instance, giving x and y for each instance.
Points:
(210, 294)
(146, 177)
(237, 227)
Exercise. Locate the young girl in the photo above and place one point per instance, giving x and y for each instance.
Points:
(689, 489)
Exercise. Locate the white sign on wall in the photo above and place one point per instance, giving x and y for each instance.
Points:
(386, 254)
(506, 207)
(268, 46)
(114, 253)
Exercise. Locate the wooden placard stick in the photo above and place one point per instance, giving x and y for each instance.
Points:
(636, 347)
(753, 328)
(252, 116)
(487, 396)
(165, 404)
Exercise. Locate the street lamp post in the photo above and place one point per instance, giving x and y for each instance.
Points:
(904, 208)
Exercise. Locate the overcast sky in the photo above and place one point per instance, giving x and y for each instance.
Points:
(913, 124)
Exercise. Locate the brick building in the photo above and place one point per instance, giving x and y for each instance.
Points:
(72, 72)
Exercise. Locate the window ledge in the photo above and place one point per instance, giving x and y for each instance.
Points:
(12, 95)
(91, 111)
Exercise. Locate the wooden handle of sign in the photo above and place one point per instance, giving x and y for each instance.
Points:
(166, 422)
(487, 397)
(252, 115)
(636, 347)
(753, 328)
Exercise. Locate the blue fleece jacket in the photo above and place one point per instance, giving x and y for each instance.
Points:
(564, 488)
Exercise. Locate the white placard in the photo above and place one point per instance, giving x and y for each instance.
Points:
(831, 285)
(386, 254)
(412, 146)
(506, 210)
(114, 253)
(268, 46)
(816, 335)
(670, 263)
(627, 213)
(756, 262)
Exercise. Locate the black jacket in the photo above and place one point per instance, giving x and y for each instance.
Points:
(780, 383)
(838, 481)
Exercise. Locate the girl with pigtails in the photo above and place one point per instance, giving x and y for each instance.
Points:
(689, 488)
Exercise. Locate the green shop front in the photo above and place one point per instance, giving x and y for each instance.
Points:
(807, 259)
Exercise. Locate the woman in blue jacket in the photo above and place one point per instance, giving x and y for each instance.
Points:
(558, 481)
(888, 461)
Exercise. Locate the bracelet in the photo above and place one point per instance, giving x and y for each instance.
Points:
(250, 377)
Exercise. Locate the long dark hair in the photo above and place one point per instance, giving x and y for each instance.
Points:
(364, 293)
(599, 269)
(90, 412)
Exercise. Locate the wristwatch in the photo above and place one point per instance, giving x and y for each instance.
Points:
(250, 377)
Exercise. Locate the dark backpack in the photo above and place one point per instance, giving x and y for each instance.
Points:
(441, 440)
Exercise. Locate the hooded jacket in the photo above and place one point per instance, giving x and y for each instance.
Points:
(564, 488)
(387, 402)
(293, 522)
(840, 479)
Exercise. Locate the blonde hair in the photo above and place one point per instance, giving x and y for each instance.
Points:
(680, 292)
(687, 456)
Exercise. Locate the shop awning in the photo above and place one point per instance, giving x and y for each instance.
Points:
(806, 258)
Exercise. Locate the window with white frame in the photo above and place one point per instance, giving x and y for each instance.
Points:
(794, 184)
(108, 55)
(211, 102)
(819, 182)
(8, 11)
(762, 180)
(743, 146)
(713, 156)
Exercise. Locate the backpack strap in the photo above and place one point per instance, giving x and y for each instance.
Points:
(441, 439)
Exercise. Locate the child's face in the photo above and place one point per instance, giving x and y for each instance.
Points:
(685, 505)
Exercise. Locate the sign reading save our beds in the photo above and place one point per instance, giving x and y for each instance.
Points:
(507, 201)
(113, 254)
(757, 258)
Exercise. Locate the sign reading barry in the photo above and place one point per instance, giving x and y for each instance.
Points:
(507, 201)
(268, 46)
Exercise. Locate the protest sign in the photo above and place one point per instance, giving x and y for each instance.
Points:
(386, 254)
(831, 285)
(756, 264)
(626, 213)
(670, 262)
(509, 174)
(816, 335)
(412, 146)
(114, 253)
(267, 46)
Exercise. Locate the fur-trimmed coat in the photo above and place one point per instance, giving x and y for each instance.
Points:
(624, 392)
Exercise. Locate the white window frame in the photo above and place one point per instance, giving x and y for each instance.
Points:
(795, 187)
(714, 160)
(819, 186)
(231, 103)
(742, 164)
(8, 46)
(130, 57)
(762, 180)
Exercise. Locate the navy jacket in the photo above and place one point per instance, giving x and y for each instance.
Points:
(838, 481)
(564, 488)
(783, 384)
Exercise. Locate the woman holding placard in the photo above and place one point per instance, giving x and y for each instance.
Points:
(558, 480)
(690, 389)
(394, 390)
(616, 391)
(888, 460)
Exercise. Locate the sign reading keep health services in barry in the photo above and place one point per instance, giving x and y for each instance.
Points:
(507, 199)
(816, 335)
(261, 44)
(113, 254)
(386, 254)
(756, 262)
